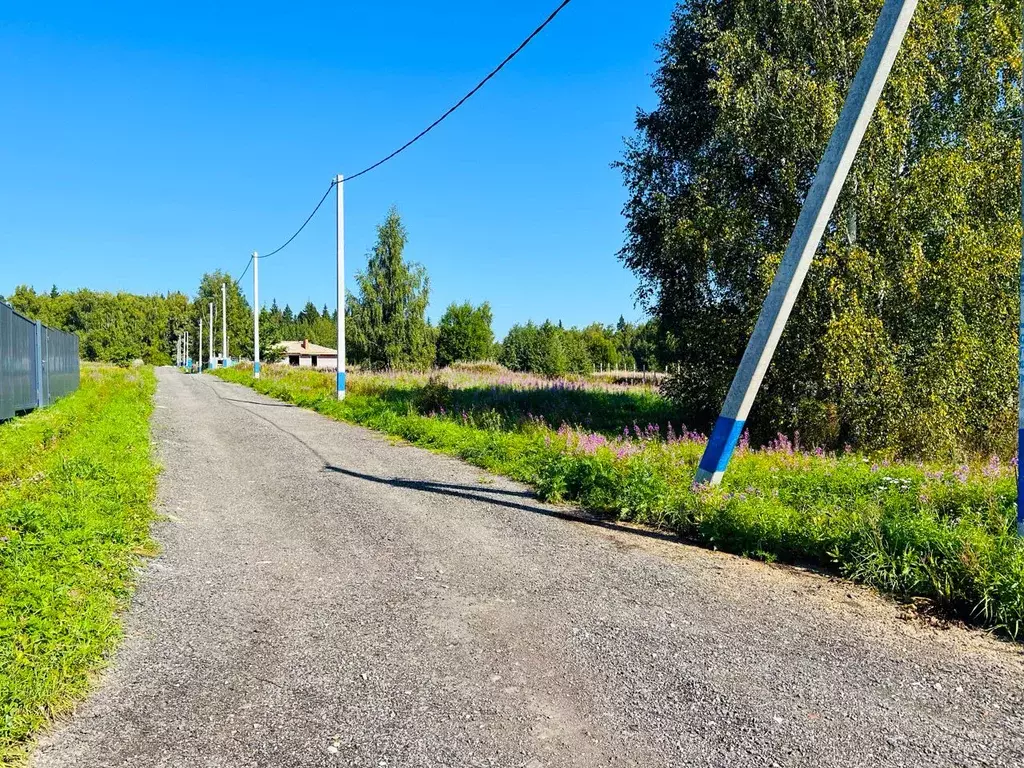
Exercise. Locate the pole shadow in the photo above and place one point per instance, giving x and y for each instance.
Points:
(473, 493)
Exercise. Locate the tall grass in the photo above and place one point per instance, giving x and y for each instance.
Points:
(76, 487)
(913, 530)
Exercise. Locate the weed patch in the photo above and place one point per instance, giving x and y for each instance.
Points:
(77, 481)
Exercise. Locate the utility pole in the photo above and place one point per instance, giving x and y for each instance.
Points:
(817, 209)
(338, 185)
(211, 334)
(1020, 368)
(187, 354)
(224, 320)
(255, 315)
(199, 357)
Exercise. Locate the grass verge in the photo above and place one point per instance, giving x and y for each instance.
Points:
(77, 482)
(941, 533)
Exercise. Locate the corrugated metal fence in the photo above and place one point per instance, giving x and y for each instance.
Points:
(37, 364)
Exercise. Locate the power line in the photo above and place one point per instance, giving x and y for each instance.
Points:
(289, 240)
(308, 219)
(419, 135)
(247, 265)
(465, 98)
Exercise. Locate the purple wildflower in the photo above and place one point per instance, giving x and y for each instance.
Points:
(993, 468)
(744, 444)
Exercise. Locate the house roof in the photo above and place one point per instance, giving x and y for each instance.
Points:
(304, 348)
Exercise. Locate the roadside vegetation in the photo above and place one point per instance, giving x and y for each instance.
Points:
(77, 482)
(943, 533)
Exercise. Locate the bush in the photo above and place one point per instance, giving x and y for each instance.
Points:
(435, 396)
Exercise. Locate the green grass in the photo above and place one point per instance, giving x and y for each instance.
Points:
(77, 483)
(912, 530)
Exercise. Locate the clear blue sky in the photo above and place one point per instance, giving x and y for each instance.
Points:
(143, 144)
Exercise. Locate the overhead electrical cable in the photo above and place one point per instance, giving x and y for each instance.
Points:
(420, 135)
(465, 98)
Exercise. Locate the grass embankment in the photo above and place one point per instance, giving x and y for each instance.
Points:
(942, 533)
(77, 481)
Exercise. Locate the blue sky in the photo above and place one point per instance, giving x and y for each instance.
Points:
(146, 143)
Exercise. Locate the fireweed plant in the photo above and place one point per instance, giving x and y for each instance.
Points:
(915, 530)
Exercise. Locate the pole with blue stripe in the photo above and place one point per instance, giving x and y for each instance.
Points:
(338, 187)
(255, 315)
(817, 209)
(1020, 340)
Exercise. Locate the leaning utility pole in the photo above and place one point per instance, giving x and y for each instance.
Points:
(338, 184)
(817, 209)
(1020, 367)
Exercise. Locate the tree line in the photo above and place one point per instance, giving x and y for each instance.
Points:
(386, 324)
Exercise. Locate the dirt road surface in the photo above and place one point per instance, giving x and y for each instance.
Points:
(326, 597)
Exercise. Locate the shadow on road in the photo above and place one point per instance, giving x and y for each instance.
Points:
(475, 493)
(472, 493)
(265, 405)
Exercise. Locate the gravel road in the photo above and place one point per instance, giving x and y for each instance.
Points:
(326, 597)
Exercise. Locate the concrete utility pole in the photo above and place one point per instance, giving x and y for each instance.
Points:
(224, 320)
(187, 354)
(1020, 343)
(338, 187)
(211, 335)
(256, 315)
(817, 209)
(199, 357)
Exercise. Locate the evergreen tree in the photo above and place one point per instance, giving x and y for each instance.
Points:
(386, 321)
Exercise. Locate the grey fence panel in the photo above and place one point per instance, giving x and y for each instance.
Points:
(17, 363)
(61, 363)
(37, 366)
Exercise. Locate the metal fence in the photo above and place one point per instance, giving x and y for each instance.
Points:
(37, 364)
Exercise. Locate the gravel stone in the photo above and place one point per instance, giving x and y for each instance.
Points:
(328, 597)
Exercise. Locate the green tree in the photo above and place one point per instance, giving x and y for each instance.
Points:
(309, 314)
(464, 333)
(271, 334)
(521, 349)
(239, 314)
(386, 323)
(548, 349)
(601, 347)
(903, 338)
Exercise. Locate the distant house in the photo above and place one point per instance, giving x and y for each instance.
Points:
(306, 354)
